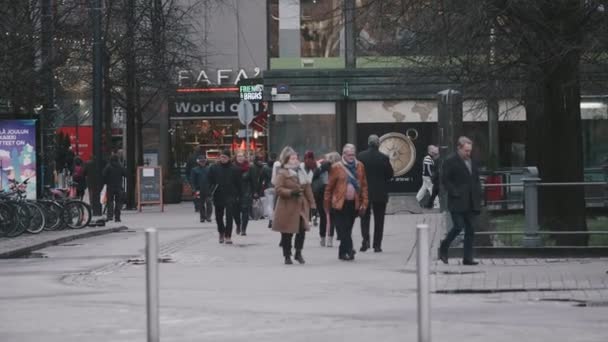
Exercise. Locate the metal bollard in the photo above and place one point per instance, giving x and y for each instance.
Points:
(422, 262)
(531, 237)
(152, 284)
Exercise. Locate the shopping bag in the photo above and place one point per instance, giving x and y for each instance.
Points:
(103, 199)
(85, 197)
(269, 195)
(257, 209)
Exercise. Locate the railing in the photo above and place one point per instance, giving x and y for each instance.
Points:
(511, 227)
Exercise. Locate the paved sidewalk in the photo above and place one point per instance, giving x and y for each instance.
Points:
(94, 290)
(27, 243)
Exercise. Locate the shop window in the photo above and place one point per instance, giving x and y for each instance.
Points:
(304, 126)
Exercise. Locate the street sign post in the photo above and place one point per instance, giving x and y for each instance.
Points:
(245, 112)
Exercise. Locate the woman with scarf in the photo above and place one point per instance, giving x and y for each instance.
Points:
(319, 182)
(295, 200)
(346, 195)
(243, 206)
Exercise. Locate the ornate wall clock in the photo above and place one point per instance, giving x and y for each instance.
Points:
(401, 151)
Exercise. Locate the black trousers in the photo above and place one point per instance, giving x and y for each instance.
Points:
(299, 243)
(462, 221)
(379, 209)
(114, 203)
(323, 218)
(433, 194)
(224, 228)
(345, 219)
(204, 207)
(241, 216)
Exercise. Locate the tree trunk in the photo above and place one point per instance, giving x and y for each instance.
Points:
(560, 140)
(130, 100)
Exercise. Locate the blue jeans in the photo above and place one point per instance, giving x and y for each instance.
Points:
(461, 221)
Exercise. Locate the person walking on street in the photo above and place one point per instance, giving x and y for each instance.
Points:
(346, 194)
(243, 206)
(199, 178)
(79, 178)
(256, 172)
(225, 182)
(113, 175)
(428, 173)
(460, 177)
(268, 187)
(379, 171)
(295, 201)
(319, 182)
(191, 164)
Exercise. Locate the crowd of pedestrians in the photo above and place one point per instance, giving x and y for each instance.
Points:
(330, 191)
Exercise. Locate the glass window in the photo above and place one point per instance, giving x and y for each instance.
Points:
(304, 126)
(306, 33)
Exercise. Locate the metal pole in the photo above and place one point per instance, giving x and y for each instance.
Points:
(424, 305)
(152, 284)
(247, 136)
(531, 237)
(97, 97)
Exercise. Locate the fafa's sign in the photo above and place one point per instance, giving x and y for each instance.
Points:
(183, 107)
(18, 154)
(203, 78)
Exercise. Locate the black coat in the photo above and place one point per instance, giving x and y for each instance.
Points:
(199, 179)
(112, 176)
(247, 188)
(463, 187)
(226, 179)
(379, 171)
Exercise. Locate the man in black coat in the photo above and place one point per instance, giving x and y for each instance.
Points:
(379, 171)
(199, 178)
(225, 182)
(113, 174)
(460, 177)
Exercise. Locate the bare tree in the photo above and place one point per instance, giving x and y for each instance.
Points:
(531, 50)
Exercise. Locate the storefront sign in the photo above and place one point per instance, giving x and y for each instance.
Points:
(18, 153)
(194, 78)
(181, 107)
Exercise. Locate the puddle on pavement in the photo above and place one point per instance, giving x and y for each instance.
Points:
(31, 255)
(162, 260)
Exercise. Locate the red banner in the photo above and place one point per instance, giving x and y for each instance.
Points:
(84, 136)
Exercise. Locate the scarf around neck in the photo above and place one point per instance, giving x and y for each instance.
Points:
(352, 173)
(297, 171)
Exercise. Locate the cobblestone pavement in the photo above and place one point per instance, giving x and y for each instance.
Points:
(580, 280)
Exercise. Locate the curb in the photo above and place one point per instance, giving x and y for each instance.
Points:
(17, 252)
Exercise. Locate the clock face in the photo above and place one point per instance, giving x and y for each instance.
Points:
(400, 150)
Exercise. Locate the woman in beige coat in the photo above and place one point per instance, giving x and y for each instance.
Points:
(295, 199)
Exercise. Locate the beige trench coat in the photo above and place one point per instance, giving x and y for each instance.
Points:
(289, 210)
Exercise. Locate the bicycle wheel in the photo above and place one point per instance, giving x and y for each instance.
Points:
(76, 214)
(53, 212)
(37, 218)
(22, 219)
(7, 219)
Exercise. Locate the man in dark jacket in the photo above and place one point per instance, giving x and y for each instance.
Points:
(191, 164)
(113, 174)
(460, 177)
(225, 182)
(199, 178)
(379, 171)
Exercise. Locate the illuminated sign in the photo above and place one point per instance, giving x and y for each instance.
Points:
(251, 89)
(192, 78)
